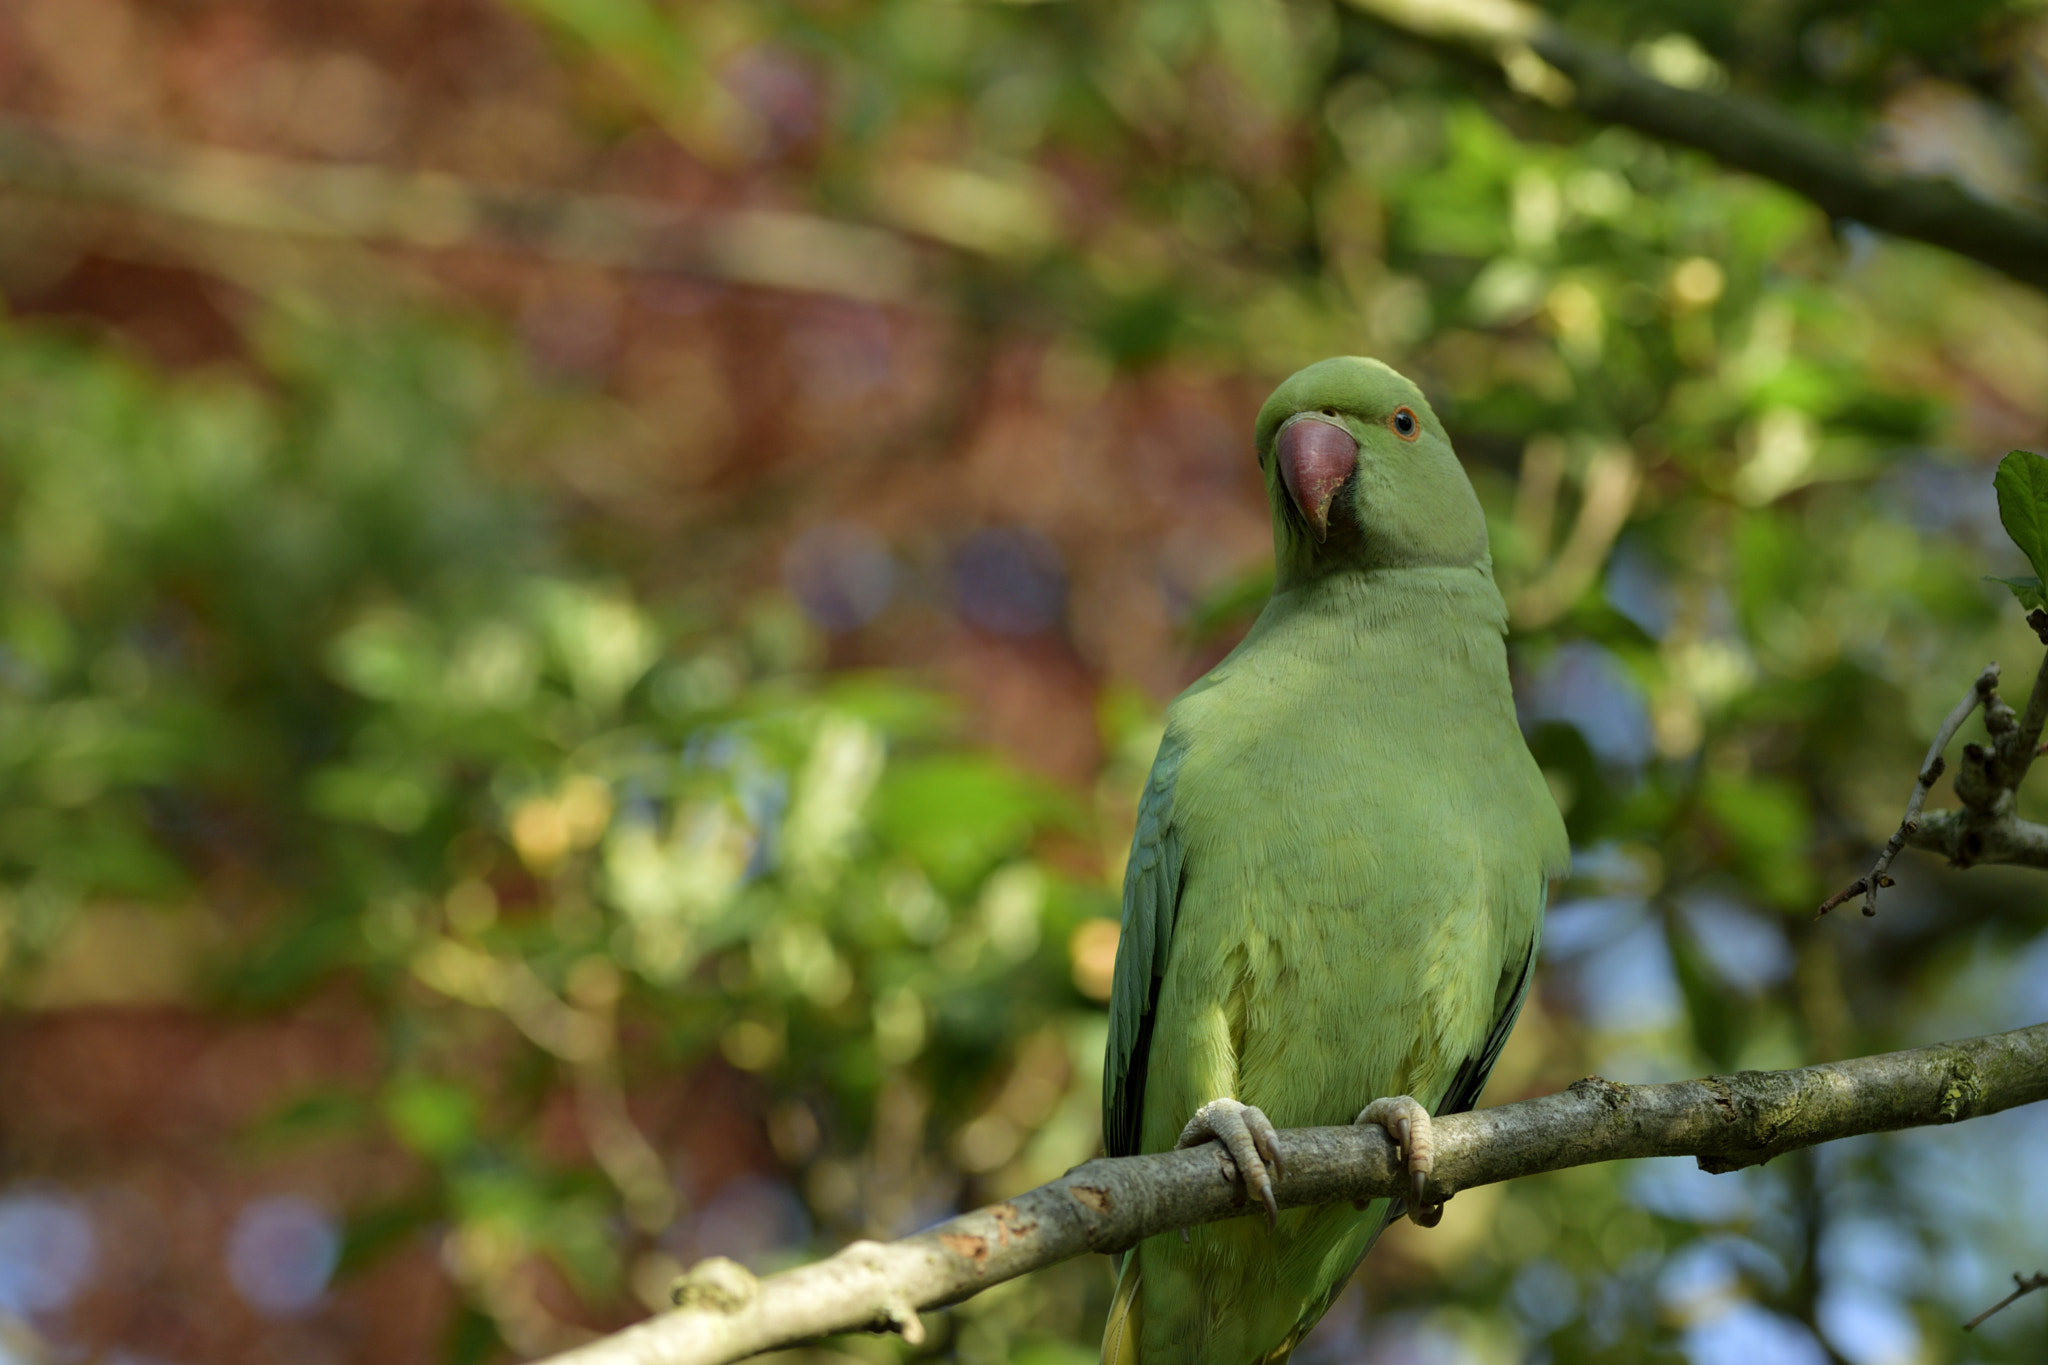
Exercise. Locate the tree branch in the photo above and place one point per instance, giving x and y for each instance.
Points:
(1727, 1122)
(244, 192)
(1541, 60)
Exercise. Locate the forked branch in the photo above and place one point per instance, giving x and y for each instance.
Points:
(1987, 827)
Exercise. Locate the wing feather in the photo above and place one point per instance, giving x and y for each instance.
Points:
(1470, 1078)
(1151, 901)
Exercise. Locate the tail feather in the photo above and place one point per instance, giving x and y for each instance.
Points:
(1121, 1335)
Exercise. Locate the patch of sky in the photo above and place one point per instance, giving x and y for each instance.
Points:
(1703, 1276)
(1675, 1187)
(1587, 688)
(1544, 1295)
(1579, 926)
(1746, 949)
(1748, 1334)
(1994, 987)
(1617, 963)
(1980, 1193)
(1623, 1301)
(1871, 1251)
(1636, 587)
(1608, 863)
(1867, 1326)
(1698, 1281)
(1954, 501)
(281, 1253)
(48, 1251)
(2026, 991)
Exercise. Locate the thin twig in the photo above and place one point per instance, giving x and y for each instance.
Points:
(1931, 768)
(2023, 1285)
(1727, 1122)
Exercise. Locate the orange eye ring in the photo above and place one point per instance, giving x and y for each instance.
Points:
(1404, 423)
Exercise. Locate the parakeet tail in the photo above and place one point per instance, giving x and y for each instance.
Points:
(1120, 1337)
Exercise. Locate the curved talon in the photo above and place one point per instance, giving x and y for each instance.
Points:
(1249, 1139)
(1407, 1124)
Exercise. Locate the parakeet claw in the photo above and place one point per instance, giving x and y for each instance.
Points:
(1407, 1123)
(1248, 1136)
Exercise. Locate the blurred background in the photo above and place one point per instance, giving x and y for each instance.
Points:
(587, 587)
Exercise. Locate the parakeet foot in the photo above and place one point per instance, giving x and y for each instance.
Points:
(1407, 1123)
(1248, 1136)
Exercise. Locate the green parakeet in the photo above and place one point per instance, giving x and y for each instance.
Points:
(1339, 872)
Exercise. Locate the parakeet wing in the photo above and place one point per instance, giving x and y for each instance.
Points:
(1471, 1075)
(1151, 898)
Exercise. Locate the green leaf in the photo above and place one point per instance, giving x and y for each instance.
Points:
(959, 815)
(431, 1117)
(2027, 590)
(2022, 484)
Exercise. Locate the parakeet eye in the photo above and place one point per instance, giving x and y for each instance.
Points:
(1404, 424)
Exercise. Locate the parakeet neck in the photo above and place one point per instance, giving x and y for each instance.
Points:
(1351, 608)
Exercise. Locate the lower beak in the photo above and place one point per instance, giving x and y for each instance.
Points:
(1316, 457)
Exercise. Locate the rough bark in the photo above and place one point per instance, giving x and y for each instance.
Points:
(1727, 1122)
(1540, 59)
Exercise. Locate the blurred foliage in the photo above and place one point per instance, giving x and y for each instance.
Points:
(318, 689)
(283, 666)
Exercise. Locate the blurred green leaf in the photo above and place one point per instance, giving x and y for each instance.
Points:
(959, 815)
(323, 1113)
(1767, 821)
(433, 1118)
(1232, 603)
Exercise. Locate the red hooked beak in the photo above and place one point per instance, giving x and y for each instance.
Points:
(1316, 456)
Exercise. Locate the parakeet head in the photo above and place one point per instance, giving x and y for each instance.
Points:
(1361, 474)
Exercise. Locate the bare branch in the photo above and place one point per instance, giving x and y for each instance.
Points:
(1727, 1122)
(1982, 693)
(2021, 1285)
(1967, 838)
(1541, 60)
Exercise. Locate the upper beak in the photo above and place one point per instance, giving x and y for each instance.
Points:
(1316, 456)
